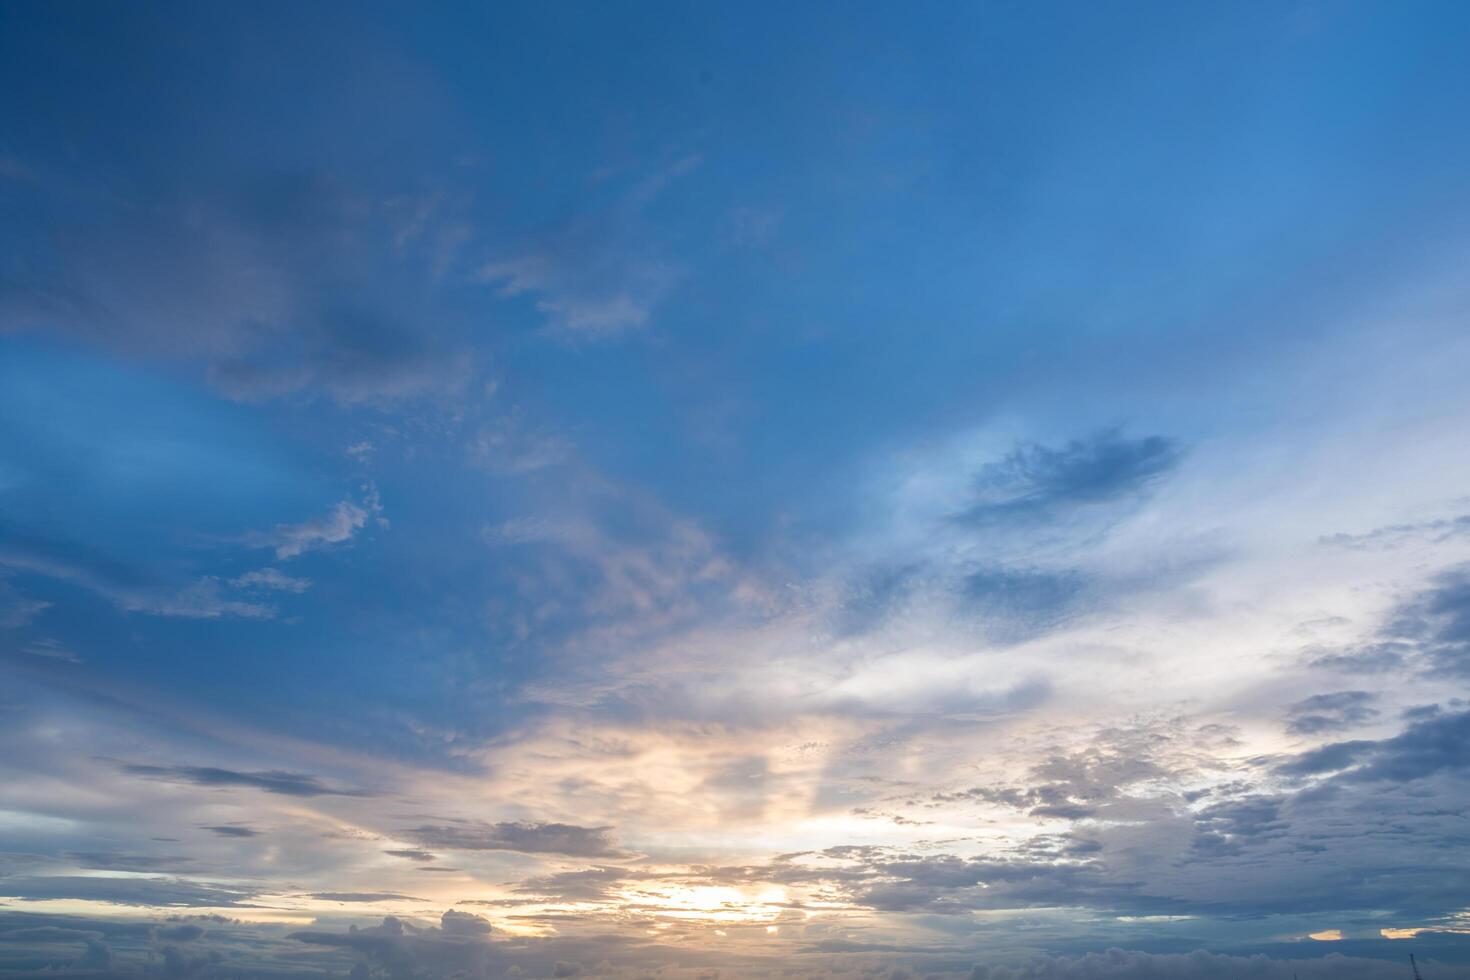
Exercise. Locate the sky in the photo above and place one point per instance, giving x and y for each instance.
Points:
(947, 490)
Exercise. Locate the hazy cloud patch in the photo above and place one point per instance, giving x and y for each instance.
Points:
(1035, 482)
(271, 781)
(527, 837)
(1331, 712)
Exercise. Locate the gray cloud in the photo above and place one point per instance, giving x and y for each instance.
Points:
(127, 862)
(585, 885)
(412, 855)
(1436, 531)
(1428, 633)
(459, 946)
(1437, 744)
(530, 838)
(1035, 482)
(1017, 604)
(1331, 712)
(249, 280)
(146, 891)
(271, 781)
(231, 830)
(1117, 964)
(1438, 622)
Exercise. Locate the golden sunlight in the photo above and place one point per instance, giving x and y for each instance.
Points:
(712, 903)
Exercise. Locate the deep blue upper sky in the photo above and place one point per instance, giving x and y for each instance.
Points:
(976, 432)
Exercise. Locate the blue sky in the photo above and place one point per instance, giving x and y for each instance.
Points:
(940, 489)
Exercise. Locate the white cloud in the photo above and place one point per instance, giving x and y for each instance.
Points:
(290, 540)
(271, 578)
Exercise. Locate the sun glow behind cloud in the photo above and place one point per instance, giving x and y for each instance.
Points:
(706, 903)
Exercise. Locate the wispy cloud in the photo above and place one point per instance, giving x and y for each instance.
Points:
(531, 838)
(339, 525)
(600, 274)
(1035, 482)
(270, 579)
(271, 781)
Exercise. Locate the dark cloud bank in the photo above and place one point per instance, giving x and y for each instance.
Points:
(462, 945)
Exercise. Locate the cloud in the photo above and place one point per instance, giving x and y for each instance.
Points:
(598, 275)
(1326, 758)
(1017, 604)
(1436, 531)
(459, 946)
(231, 830)
(272, 781)
(584, 885)
(144, 891)
(1437, 743)
(872, 595)
(1225, 829)
(1331, 712)
(354, 355)
(1427, 633)
(1079, 784)
(1034, 482)
(182, 932)
(203, 599)
(1370, 658)
(271, 579)
(1438, 622)
(17, 610)
(1117, 964)
(362, 897)
(412, 855)
(507, 445)
(278, 284)
(529, 838)
(1425, 748)
(128, 862)
(291, 540)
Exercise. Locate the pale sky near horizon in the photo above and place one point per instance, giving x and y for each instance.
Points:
(640, 489)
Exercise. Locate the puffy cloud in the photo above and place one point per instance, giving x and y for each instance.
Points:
(458, 946)
(1433, 745)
